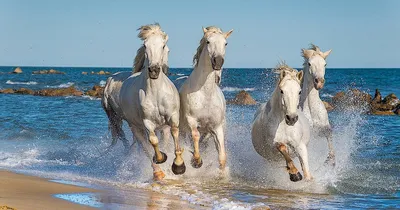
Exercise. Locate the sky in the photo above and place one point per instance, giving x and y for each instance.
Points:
(98, 33)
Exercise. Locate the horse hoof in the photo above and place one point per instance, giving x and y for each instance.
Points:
(158, 176)
(164, 158)
(296, 177)
(178, 169)
(197, 163)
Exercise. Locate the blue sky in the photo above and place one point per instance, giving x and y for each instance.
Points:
(102, 33)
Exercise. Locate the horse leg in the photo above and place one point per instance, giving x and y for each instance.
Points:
(303, 156)
(196, 162)
(220, 142)
(115, 124)
(178, 166)
(158, 174)
(331, 156)
(294, 174)
(159, 156)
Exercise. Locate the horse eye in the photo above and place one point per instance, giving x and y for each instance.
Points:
(282, 91)
(325, 64)
(300, 93)
(208, 42)
(226, 43)
(163, 47)
(309, 64)
(144, 46)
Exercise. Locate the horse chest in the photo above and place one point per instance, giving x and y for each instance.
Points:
(315, 111)
(284, 134)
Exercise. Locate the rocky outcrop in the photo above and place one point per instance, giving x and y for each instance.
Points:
(17, 70)
(390, 105)
(243, 98)
(51, 71)
(7, 91)
(96, 91)
(84, 73)
(69, 91)
(24, 91)
(102, 72)
(328, 106)
(352, 99)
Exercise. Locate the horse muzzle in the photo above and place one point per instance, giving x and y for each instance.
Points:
(291, 120)
(154, 71)
(319, 83)
(217, 62)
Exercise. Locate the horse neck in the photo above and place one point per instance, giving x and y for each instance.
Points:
(308, 91)
(203, 75)
(276, 105)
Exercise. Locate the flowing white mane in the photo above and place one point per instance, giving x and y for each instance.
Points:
(203, 42)
(145, 32)
(313, 50)
(285, 73)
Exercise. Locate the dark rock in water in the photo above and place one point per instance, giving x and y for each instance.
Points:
(17, 70)
(387, 106)
(70, 91)
(7, 91)
(24, 91)
(353, 99)
(377, 97)
(96, 91)
(102, 72)
(51, 71)
(328, 106)
(397, 110)
(243, 98)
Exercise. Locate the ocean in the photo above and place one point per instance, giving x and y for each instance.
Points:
(65, 138)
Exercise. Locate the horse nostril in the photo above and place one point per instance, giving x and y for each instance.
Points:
(214, 60)
(287, 118)
(149, 69)
(316, 80)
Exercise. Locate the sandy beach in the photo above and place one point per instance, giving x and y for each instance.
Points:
(27, 192)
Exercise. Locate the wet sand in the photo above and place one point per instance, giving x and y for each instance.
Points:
(27, 192)
(18, 191)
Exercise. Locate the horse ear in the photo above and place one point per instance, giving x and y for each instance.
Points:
(325, 54)
(307, 53)
(300, 75)
(282, 74)
(227, 34)
(204, 30)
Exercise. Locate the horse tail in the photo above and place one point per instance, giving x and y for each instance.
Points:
(114, 119)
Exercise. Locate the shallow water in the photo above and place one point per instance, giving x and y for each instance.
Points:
(66, 137)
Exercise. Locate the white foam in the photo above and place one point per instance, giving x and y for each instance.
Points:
(183, 77)
(236, 89)
(64, 85)
(21, 83)
(327, 95)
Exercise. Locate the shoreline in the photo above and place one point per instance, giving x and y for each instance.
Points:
(20, 191)
(24, 191)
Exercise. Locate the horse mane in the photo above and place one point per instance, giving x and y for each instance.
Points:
(284, 70)
(314, 48)
(203, 42)
(145, 32)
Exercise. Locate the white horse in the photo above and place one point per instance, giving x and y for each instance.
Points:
(110, 98)
(149, 101)
(280, 126)
(310, 102)
(202, 101)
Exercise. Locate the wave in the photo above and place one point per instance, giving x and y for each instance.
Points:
(235, 89)
(21, 83)
(327, 95)
(64, 85)
(183, 77)
(180, 74)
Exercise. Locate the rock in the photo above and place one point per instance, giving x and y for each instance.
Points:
(377, 112)
(24, 91)
(391, 99)
(353, 98)
(92, 72)
(96, 91)
(386, 106)
(84, 73)
(17, 70)
(101, 72)
(243, 98)
(377, 97)
(328, 106)
(70, 91)
(7, 91)
(51, 71)
(397, 110)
